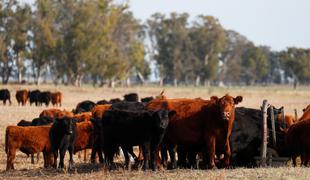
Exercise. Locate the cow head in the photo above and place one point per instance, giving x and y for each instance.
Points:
(227, 105)
(68, 124)
(162, 117)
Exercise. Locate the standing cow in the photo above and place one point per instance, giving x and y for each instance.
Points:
(22, 97)
(45, 98)
(5, 95)
(29, 140)
(56, 98)
(34, 97)
(62, 137)
(130, 128)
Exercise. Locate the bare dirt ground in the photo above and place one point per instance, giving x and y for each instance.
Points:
(253, 97)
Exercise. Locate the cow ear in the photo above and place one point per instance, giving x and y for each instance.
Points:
(304, 109)
(281, 108)
(172, 113)
(214, 98)
(238, 99)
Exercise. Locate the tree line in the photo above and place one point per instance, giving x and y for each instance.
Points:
(102, 43)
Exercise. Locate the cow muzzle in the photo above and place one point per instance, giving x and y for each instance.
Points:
(226, 116)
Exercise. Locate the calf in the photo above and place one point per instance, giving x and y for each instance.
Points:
(5, 95)
(29, 140)
(56, 98)
(62, 137)
(129, 128)
(34, 97)
(22, 97)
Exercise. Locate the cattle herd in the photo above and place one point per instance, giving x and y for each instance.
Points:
(36, 96)
(196, 133)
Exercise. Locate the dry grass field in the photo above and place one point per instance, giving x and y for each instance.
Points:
(253, 97)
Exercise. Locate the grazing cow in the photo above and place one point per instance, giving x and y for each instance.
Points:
(56, 113)
(130, 128)
(102, 102)
(84, 106)
(62, 137)
(5, 95)
(34, 97)
(29, 140)
(131, 97)
(22, 97)
(45, 98)
(115, 100)
(200, 121)
(147, 99)
(56, 98)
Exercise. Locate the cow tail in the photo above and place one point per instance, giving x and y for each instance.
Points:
(6, 140)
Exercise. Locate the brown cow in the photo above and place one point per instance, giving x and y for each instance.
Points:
(56, 113)
(29, 140)
(297, 141)
(200, 121)
(289, 120)
(21, 97)
(56, 98)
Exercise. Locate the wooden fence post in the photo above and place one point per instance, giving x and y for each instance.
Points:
(264, 134)
(273, 127)
(296, 117)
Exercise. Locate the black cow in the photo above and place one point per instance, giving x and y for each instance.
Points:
(62, 137)
(5, 95)
(45, 97)
(147, 99)
(24, 123)
(34, 97)
(131, 97)
(131, 128)
(84, 106)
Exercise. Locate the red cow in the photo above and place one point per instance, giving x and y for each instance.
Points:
(56, 98)
(201, 121)
(22, 97)
(29, 140)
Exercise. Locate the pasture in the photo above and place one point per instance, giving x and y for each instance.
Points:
(253, 97)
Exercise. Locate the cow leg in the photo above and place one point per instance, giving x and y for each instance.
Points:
(71, 162)
(181, 150)
(10, 158)
(38, 157)
(294, 157)
(127, 159)
(55, 153)
(153, 149)
(211, 152)
(171, 150)
(85, 155)
(130, 151)
(192, 158)
(227, 155)
(62, 153)
(32, 158)
(146, 155)
(93, 155)
(164, 154)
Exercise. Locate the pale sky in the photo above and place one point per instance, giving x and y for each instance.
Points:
(275, 23)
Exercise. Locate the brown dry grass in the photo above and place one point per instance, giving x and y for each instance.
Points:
(253, 96)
